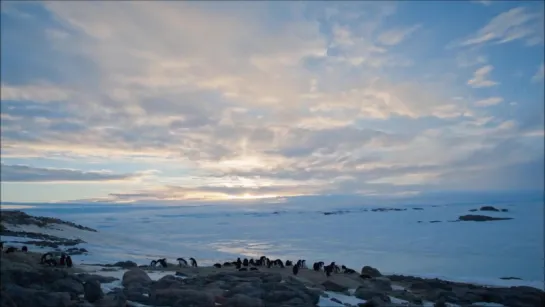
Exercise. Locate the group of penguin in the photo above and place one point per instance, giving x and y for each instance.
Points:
(242, 265)
(12, 249)
(49, 259)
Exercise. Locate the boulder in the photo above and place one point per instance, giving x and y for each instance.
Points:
(182, 297)
(333, 286)
(6, 301)
(135, 275)
(37, 298)
(406, 296)
(379, 283)
(367, 294)
(370, 271)
(101, 279)
(70, 285)
(241, 300)
(166, 282)
(93, 292)
(113, 299)
(246, 288)
(376, 301)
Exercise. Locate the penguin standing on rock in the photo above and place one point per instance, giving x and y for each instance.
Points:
(295, 269)
(69, 261)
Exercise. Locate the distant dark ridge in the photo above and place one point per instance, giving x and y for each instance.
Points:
(16, 217)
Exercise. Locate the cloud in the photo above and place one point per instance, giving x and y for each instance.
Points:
(396, 36)
(488, 102)
(538, 76)
(514, 24)
(483, 2)
(23, 173)
(240, 103)
(479, 77)
(35, 93)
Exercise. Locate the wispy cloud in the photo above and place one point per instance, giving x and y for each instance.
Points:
(254, 100)
(515, 24)
(396, 36)
(23, 173)
(480, 77)
(540, 73)
(488, 102)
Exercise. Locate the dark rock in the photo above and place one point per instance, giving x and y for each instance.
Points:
(101, 279)
(510, 278)
(481, 218)
(70, 285)
(113, 299)
(378, 283)
(36, 298)
(488, 208)
(124, 264)
(93, 292)
(335, 300)
(504, 210)
(6, 301)
(368, 270)
(435, 221)
(376, 301)
(241, 300)
(135, 275)
(182, 297)
(472, 210)
(168, 281)
(368, 294)
(332, 286)
(248, 289)
(407, 296)
(419, 285)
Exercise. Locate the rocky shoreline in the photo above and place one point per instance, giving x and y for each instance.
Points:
(27, 283)
(24, 282)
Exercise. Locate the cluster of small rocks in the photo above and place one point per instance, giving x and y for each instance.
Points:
(441, 291)
(242, 289)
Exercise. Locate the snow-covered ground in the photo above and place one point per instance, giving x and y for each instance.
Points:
(393, 241)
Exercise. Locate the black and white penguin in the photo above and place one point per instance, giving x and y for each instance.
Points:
(193, 262)
(182, 262)
(295, 269)
(68, 261)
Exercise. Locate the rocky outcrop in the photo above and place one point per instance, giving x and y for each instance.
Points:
(370, 271)
(20, 218)
(481, 218)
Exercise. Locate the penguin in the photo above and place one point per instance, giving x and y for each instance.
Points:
(295, 269)
(245, 262)
(69, 261)
(193, 262)
(62, 260)
(162, 262)
(24, 249)
(182, 262)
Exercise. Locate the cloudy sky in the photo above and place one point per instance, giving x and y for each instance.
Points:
(168, 101)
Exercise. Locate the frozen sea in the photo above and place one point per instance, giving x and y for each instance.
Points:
(392, 241)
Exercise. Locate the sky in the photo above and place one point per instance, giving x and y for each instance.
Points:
(151, 102)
